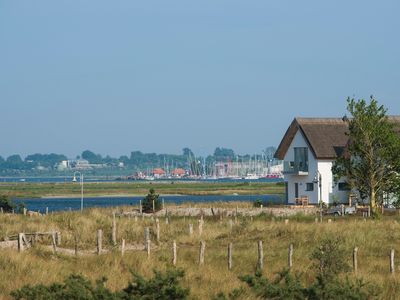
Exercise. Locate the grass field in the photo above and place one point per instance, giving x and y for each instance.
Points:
(31, 190)
(374, 239)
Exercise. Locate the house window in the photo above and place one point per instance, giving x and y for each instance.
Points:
(343, 186)
(301, 158)
(309, 186)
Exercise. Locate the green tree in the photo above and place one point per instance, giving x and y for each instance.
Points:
(147, 203)
(6, 203)
(92, 157)
(371, 160)
(14, 162)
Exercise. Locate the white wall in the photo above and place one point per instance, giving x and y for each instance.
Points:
(299, 141)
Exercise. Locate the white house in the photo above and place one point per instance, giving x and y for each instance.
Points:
(308, 149)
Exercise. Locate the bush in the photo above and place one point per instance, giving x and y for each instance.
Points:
(330, 257)
(257, 203)
(288, 286)
(162, 286)
(147, 203)
(6, 203)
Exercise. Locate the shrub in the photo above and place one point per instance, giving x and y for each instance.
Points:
(162, 286)
(330, 257)
(147, 203)
(257, 203)
(6, 203)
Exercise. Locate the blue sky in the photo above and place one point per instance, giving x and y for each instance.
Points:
(117, 76)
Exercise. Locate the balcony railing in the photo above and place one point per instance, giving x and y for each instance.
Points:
(295, 167)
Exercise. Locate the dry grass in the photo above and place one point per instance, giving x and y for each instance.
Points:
(38, 265)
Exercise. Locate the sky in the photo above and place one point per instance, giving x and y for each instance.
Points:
(158, 76)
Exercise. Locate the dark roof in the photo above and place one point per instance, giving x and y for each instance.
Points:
(326, 137)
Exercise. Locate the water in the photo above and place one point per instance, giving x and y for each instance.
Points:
(63, 204)
(114, 179)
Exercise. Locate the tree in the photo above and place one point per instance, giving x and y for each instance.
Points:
(6, 203)
(14, 162)
(371, 160)
(92, 157)
(147, 203)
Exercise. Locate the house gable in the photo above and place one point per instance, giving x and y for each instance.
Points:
(325, 136)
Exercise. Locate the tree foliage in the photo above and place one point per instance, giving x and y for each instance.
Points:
(6, 203)
(371, 160)
(147, 203)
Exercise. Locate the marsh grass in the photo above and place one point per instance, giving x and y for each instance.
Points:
(36, 190)
(374, 238)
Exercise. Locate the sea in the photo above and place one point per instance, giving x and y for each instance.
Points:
(68, 203)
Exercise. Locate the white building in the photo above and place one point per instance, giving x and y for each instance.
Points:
(308, 149)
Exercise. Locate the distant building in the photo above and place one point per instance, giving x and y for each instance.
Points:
(179, 172)
(158, 173)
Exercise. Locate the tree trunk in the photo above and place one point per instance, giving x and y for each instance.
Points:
(372, 201)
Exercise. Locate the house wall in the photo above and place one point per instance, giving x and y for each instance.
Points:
(330, 190)
(299, 141)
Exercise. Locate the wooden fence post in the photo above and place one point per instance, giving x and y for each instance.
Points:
(392, 261)
(123, 247)
(148, 247)
(158, 230)
(154, 207)
(54, 242)
(202, 252)
(260, 262)
(20, 242)
(174, 256)
(58, 238)
(24, 210)
(1, 210)
(230, 248)
(99, 241)
(163, 203)
(140, 207)
(190, 229)
(355, 262)
(290, 256)
(114, 230)
(47, 211)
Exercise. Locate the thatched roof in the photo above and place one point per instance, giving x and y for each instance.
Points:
(326, 137)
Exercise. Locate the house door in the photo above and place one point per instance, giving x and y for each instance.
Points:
(296, 190)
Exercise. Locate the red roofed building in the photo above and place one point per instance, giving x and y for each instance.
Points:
(158, 172)
(178, 172)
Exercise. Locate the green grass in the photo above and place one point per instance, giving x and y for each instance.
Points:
(31, 190)
(374, 240)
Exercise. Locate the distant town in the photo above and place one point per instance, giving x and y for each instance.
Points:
(223, 163)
